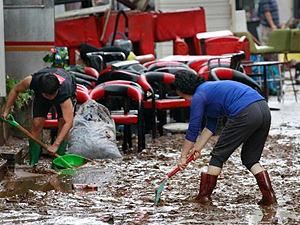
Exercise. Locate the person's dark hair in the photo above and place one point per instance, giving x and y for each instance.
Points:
(48, 83)
(186, 81)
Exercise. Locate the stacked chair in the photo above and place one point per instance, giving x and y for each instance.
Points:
(130, 98)
(141, 94)
(279, 43)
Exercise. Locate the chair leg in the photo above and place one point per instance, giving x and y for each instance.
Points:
(154, 124)
(125, 139)
(129, 136)
(286, 60)
(53, 134)
(162, 120)
(141, 138)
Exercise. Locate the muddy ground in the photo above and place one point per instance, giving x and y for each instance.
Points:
(126, 187)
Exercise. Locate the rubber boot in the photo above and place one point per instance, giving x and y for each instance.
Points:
(62, 148)
(207, 185)
(264, 183)
(34, 152)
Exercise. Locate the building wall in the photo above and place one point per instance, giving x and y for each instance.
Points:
(2, 53)
(218, 13)
(286, 8)
(29, 35)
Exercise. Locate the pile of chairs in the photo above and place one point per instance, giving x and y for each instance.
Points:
(140, 94)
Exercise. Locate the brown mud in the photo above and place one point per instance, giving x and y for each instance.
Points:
(125, 193)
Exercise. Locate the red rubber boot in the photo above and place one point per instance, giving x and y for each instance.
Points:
(264, 183)
(207, 184)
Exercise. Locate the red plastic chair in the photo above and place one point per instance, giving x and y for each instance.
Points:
(132, 112)
(160, 82)
(226, 45)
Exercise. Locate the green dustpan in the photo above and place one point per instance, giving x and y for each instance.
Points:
(72, 159)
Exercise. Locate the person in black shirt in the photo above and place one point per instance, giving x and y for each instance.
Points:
(52, 87)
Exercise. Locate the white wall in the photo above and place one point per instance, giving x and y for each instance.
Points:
(285, 10)
(2, 53)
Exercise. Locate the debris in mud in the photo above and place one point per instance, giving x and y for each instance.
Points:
(85, 187)
(3, 168)
(125, 189)
(12, 154)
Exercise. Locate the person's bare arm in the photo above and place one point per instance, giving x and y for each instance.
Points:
(202, 140)
(269, 18)
(67, 111)
(190, 148)
(22, 86)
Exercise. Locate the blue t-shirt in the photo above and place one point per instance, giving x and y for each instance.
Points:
(216, 99)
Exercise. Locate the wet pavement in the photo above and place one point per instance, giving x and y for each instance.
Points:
(125, 193)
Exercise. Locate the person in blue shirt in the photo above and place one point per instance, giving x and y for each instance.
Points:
(248, 123)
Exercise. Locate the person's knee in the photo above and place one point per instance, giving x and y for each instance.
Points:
(249, 165)
(37, 125)
(215, 161)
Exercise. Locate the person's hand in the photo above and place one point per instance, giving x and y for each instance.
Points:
(181, 163)
(196, 153)
(274, 27)
(52, 149)
(4, 114)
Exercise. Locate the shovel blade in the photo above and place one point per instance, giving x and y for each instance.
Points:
(158, 191)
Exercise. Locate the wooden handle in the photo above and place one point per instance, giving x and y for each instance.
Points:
(28, 134)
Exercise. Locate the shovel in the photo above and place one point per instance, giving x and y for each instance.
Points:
(11, 121)
(161, 187)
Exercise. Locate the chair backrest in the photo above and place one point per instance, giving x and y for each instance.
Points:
(129, 76)
(160, 82)
(251, 41)
(123, 90)
(280, 39)
(82, 96)
(295, 41)
(230, 74)
(91, 71)
(227, 45)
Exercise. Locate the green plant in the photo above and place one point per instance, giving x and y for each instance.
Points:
(23, 99)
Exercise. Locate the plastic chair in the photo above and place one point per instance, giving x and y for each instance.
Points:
(295, 41)
(226, 45)
(281, 41)
(255, 48)
(132, 112)
(160, 81)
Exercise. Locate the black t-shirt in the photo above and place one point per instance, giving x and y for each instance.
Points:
(67, 82)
